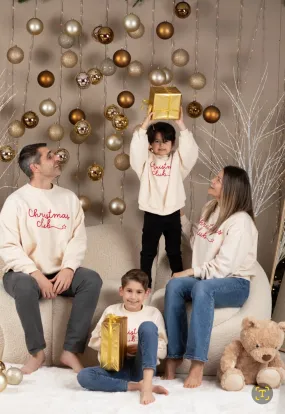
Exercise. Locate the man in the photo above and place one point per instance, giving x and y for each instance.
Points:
(43, 243)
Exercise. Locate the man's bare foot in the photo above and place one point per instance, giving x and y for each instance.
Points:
(195, 376)
(146, 392)
(71, 360)
(170, 368)
(34, 363)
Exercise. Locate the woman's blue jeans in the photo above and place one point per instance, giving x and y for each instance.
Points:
(192, 342)
(98, 379)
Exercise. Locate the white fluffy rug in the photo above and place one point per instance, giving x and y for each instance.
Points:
(55, 390)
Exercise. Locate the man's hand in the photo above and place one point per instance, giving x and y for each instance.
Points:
(62, 281)
(132, 349)
(184, 273)
(45, 285)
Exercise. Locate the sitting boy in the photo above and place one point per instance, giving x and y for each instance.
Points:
(147, 343)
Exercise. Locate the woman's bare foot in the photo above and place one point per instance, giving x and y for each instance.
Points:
(34, 363)
(170, 368)
(71, 360)
(195, 376)
(146, 392)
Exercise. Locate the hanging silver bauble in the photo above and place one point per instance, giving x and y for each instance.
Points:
(168, 75)
(135, 69)
(137, 33)
(15, 55)
(65, 41)
(131, 22)
(108, 67)
(73, 28)
(35, 26)
(114, 142)
(157, 77)
(197, 81)
(69, 59)
(180, 57)
(47, 107)
(56, 132)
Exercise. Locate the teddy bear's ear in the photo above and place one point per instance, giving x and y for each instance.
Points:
(282, 326)
(249, 323)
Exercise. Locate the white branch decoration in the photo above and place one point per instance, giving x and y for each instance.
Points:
(281, 250)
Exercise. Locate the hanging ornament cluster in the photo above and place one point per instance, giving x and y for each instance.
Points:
(7, 153)
(11, 376)
(122, 58)
(182, 10)
(165, 30)
(119, 120)
(133, 26)
(103, 35)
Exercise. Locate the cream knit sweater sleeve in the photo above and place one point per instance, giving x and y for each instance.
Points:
(139, 151)
(187, 152)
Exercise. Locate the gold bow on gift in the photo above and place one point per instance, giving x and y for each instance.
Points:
(113, 342)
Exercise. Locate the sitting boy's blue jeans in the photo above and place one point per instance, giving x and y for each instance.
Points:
(98, 379)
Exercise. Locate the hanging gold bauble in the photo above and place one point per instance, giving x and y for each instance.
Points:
(3, 382)
(182, 10)
(77, 139)
(165, 30)
(117, 206)
(76, 115)
(83, 80)
(7, 153)
(120, 122)
(180, 57)
(122, 58)
(111, 111)
(35, 26)
(135, 69)
(103, 35)
(114, 142)
(69, 59)
(65, 41)
(73, 28)
(2, 366)
(46, 79)
(14, 376)
(157, 77)
(85, 202)
(47, 107)
(108, 67)
(95, 172)
(63, 155)
(194, 109)
(197, 81)
(126, 99)
(82, 128)
(122, 162)
(15, 55)
(56, 132)
(16, 129)
(95, 76)
(30, 119)
(211, 114)
(168, 75)
(137, 33)
(131, 22)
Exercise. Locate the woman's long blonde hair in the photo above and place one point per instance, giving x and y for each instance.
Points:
(235, 196)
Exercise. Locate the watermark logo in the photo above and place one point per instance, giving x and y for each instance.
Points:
(262, 395)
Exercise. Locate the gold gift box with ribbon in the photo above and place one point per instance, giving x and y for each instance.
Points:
(165, 102)
(113, 342)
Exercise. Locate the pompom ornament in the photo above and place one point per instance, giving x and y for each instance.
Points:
(16, 129)
(15, 55)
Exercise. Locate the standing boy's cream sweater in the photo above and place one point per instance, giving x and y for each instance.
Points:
(161, 188)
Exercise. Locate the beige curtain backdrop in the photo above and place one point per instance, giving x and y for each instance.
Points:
(262, 42)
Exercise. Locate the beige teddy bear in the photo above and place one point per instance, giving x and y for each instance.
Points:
(254, 359)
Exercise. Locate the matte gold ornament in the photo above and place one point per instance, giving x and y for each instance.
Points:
(83, 80)
(135, 69)
(73, 28)
(165, 30)
(117, 206)
(157, 77)
(83, 128)
(180, 57)
(76, 115)
(95, 76)
(197, 81)
(14, 376)
(3, 382)
(131, 22)
(35, 26)
(2, 366)
(108, 67)
(30, 119)
(168, 75)
(137, 33)
(95, 172)
(63, 155)
(65, 41)
(56, 132)
(120, 122)
(15, 55)
(126, 99)
(46, 79)
(122, 162)
(47, 107)
(103, 35)
(69, 59)
(122, 58)
(85, 202)
(182, 10)
(7, 153)
(77, 139)
(211, 114)
(111, 111)
(194, 109)
(16, 129)
(114, 142)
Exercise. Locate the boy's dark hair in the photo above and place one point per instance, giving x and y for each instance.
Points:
(136, 275)
(29, 155)
(167, 132)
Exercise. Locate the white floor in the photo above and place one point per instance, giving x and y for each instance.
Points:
(55, 390)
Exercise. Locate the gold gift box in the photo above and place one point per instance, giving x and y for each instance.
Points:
(113, 342)
(165, 102)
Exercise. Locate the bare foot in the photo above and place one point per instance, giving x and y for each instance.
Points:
(146, 396)
(71, 360)
(34, 363)
(170, 368)
(195, 376)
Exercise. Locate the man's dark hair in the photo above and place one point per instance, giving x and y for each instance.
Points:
(29, 155)
(135, 275)
(167, 132)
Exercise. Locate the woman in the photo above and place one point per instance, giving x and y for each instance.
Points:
(224, 245)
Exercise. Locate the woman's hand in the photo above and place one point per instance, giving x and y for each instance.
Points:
(184, 273)
(180, 121)
(147, 121)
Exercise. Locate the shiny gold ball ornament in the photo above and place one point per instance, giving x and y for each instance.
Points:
(120, 122)
(197, 81)
(56, 132)
(137, 33)
(182, 10)
(35, 26)
(95, 172)
(77, 139)
(14, 376)
(16, 129)
(30, 119)
(7, 153)
(114, 142)
(3, 382)
(2, 366)
(165, 30)
(111, 111)
(76, 115)
(168, 75)
(103, 35)
(180, 57)
(46, 79)
(63, 155)
(65, 41)
(95, 76)
(117, 206)
(135, 69)
(108, 67)
(157, 77)
(126, 99)
(83, 128)
(194, 109)
(83, 80)
(73, 28)
(211, 114)
(15, 55)
(69, 59)
(85, 202)
(47, 107)
(122, 162)
(122, 58)
(131, 22)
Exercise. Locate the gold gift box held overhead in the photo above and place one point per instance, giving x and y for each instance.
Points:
(113, 342)
(165, 102)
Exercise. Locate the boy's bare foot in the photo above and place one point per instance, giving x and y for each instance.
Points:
(195, 376)
(146, 392)
(71, 360)
(34, 363)
(170, 368)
